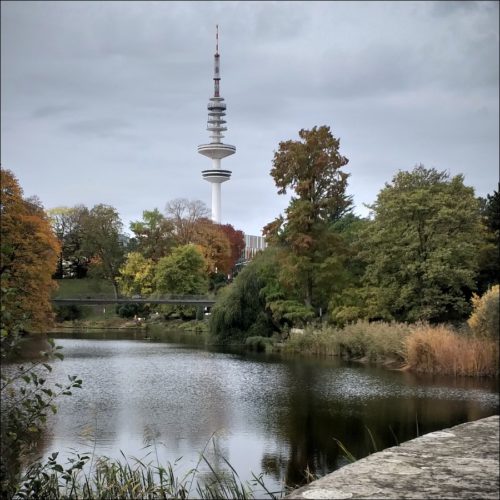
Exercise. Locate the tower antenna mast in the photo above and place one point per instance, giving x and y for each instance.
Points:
(216, 150)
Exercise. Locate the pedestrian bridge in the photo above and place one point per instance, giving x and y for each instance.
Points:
(180, 300)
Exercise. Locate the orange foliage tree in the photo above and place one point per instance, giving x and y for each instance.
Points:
(236, 242)
(29, 254)
(213, 245)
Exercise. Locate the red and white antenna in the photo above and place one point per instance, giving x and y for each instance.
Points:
(216, 150)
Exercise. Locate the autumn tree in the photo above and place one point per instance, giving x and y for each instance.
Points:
(236, 243)
(154, 234)
(136, 276)
(184, 215)
(422, 248)
(311, 169)
(214, 245)
(29, 255)
(104, 241)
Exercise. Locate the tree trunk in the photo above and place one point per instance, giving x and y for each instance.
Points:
(115, 288)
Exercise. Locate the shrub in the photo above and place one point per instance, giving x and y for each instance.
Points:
(290, 313)
(259, 344)
(484, 321)
(70, 312)
(131, 310)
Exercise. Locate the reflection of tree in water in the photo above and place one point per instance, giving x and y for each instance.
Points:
(304, 426)
(311, 420)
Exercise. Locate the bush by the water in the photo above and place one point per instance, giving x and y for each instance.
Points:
(484, 321)
(259, 344)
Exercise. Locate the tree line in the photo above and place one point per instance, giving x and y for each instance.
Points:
(428, 245)
(178, 251)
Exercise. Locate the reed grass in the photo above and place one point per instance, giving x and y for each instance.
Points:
(423, 348)
(132, 478)
(378, 341)
(441, 350)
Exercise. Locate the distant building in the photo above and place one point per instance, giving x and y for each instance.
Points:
(253, 245)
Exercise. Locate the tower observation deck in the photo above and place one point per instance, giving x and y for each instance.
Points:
(216, 150)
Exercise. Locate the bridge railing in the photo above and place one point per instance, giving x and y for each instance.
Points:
(157, 299)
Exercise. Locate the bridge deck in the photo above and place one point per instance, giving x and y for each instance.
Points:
(122, 300)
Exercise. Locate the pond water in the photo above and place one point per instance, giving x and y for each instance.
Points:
(263, 413)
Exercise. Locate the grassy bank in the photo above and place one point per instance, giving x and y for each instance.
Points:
(420, 348)
(83, 288)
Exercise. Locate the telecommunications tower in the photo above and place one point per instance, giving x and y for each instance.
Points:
(216, 149)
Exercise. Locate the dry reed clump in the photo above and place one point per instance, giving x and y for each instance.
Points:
(440, 350)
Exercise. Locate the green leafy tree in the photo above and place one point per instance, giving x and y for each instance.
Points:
(103, 240)
(154, 234)
(240, 310)
(489, 261)
(311, 168)
(182, 272)
(422, 248)
(255, 303)
(67, 225)
(345, 304)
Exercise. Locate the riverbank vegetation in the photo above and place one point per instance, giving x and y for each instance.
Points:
(414, 284)
(87, 477)
(425, 255)
(432, 349)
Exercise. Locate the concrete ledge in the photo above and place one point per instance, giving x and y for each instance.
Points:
(460, 462)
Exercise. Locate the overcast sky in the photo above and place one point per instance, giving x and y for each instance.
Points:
(105, 102)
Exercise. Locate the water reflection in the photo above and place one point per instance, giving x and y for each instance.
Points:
(263, 413)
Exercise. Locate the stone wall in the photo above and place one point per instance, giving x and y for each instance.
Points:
(460, 463)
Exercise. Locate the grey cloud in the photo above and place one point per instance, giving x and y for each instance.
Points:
(127, 83)
(97, 127)
(51, 110)
(451, 8)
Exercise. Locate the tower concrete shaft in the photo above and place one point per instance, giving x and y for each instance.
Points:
(216, 149)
